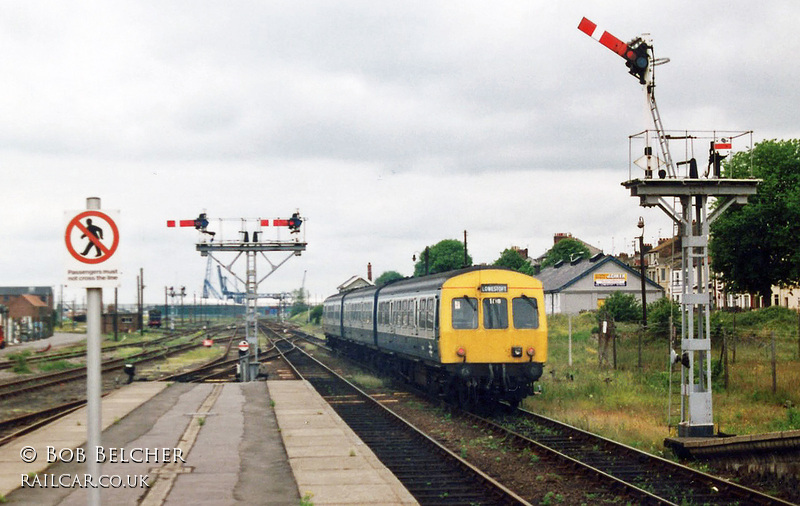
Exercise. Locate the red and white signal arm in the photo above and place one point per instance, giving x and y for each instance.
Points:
(723, 147)
(91, 240)
(244, 346)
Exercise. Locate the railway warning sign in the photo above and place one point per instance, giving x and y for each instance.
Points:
(92, 238)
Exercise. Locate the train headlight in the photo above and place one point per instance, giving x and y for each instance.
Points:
(461, 352)
(531, 352)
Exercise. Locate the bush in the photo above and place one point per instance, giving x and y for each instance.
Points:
(772, 316)
(623, 307)
(658, 314)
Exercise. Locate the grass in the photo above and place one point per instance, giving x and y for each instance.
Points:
(630, 405)
(367, 381)
(20, 362)
(57, 365)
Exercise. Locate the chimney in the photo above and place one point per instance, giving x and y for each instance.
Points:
(369, 271)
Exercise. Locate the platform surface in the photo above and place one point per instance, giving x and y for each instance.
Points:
(269, 443)
(331, 464)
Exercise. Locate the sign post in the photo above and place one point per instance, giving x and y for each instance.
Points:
(91, 239)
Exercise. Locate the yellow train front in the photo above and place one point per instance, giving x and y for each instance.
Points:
(475, 335)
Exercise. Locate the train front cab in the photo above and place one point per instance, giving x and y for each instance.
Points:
(493, 332)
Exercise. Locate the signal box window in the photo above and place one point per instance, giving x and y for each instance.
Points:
(526, 313)
(465, 313)
(495, 313)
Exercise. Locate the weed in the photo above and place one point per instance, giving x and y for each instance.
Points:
(306, 500)
(201, 421)
(20, 363)
(367, 381)
(463, 452)
(552, 496)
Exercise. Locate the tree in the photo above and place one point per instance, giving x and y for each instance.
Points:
(513, 259)
(443, 256)
(299, 305)
(623, 307)
(316, 314)
(566, 250)
(755, 246)
(387, 277)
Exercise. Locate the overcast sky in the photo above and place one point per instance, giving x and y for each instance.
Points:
(389, 125)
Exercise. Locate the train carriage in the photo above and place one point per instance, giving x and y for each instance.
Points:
(477, 334)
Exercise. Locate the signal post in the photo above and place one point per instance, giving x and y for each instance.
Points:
(249, 242)
(684, 197)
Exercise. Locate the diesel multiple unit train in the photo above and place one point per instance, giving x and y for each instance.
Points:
(475, 335)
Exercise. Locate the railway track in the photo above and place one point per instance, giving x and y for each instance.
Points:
(638, 475)
(39, 356)
(430, 472)
(14, 426)
(646, 478)
(158, 349)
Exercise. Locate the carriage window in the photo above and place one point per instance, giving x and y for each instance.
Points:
(421, 318)
(465, 313)
(431, 312)
(526, 313)
(495, 313)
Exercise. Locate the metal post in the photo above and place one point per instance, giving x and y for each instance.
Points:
(141, 301)
(116, 314)
(252, 318)
(569, 324)
(94, 309)
(693, 222)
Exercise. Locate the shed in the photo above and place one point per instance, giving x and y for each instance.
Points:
(584, 285)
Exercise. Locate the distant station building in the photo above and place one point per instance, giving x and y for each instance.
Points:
(353, 283)
(30, 309)
(584, 285)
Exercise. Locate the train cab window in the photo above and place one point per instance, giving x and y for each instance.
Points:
(526, 313)
(465, 313)
(495, 313)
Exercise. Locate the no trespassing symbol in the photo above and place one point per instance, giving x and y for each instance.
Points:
(92, 238)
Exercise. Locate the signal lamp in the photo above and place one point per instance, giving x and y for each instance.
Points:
(295, 222)
(461, 352)
(531, 352)
(637, 56)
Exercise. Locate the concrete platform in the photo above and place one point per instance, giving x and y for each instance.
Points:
(331, 464)
(256, 443)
